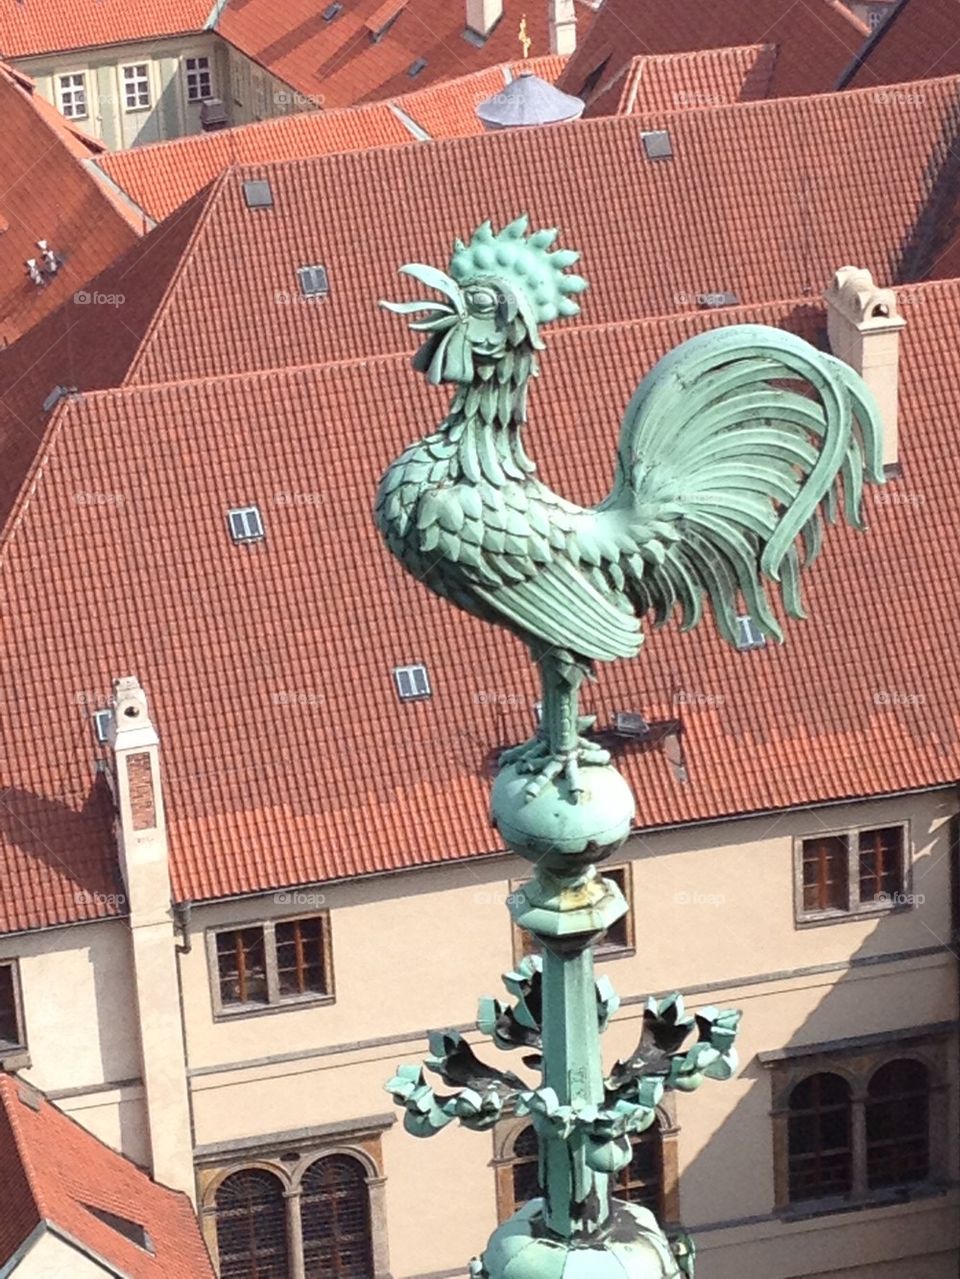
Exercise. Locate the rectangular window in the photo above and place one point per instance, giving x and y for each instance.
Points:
(72, 95)
(246, 524)
(851, 872)
(272, 964)
(11, 1030)
(199, 79)
(136, 86)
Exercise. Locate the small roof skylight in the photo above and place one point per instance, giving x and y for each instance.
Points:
(412, 682)
(331, 11)
(415, 68)
(630, 724)
(657, 144)
(101, 724)
(246, 524)
(131, 1230)
(313, 280)
(749, 634)
(258, 194)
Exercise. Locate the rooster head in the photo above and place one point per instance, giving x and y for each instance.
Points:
(500, 289)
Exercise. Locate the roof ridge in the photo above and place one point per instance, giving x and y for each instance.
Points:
(27, 488)
(207, 197)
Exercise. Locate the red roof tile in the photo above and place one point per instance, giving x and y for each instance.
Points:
(677, 81)
(160, 177)
(311, 768)
(42, 26)
(815, 39)
(920, 39)
(338, 63)
(57, 1173)
(48, 194)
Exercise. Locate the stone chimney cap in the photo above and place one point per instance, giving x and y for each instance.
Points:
(528, 100)
(131, 713)
(854, 293)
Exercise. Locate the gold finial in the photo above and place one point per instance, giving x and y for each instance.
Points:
(525, 41)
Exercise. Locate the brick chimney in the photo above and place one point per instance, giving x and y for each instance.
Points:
(863, 328)
(142, 843)
(483, 16)
(563, 26)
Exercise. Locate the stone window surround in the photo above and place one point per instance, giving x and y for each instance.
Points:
(357, 1139)
(195, 76)
(277, 1003)
(67, 94)
(857, 1061)
(601, 951)
(15, 1056)
(132, 85)
(816, 918)
(506, 1132)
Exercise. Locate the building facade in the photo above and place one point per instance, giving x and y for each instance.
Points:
(832, 1152)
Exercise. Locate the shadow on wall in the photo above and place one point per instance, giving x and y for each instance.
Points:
(745, 1159)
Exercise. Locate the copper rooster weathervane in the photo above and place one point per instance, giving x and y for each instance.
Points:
(733, 453)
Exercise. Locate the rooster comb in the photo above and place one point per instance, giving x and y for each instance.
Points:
(523, 262)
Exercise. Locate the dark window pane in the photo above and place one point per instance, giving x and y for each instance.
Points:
(335, 1215)
(242, 967)
(251, 1226)
(881, 863)
(301, 967)
(819, 1138)
(524, 1168)
(898, 1124)
(825, 873)
(618, 934)
(641, 1182)
(9, 1029)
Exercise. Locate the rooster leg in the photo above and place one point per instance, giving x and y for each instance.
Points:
(560, 748)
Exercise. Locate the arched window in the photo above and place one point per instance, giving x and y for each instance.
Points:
(898, 1124)
(820, 1138)
(335, 1220)
(251, 1226)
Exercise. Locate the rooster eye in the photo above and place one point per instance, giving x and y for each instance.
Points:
(482, 301)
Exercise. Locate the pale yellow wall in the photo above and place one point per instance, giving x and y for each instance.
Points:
(253, 93)
(711, 906)
(170, 115)
(50, 1257)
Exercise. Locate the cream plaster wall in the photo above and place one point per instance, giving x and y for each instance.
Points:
(50, 1257)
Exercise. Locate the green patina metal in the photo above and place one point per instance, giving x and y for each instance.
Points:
(734, 451)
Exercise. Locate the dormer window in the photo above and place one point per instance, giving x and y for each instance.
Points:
(413, 683)
(246, 524)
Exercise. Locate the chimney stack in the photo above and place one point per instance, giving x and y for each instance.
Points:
(142, 844)
(863, 328)
(483, 16)
(563, 26)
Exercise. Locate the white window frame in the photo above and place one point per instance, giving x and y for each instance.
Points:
(195, 75)
(72, 95)
(252, 524)
(749, 635)
(312, 275)
(410, 676)
(128, 83)
(101, 724)
(856, 909)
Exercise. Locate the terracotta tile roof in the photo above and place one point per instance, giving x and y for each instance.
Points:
(919, 40)
(677, 81)
(47, 194)
(815, 40)
(311, 768)
(54, 1171)
(763, 199)
(338, 63)
(43, 26)
(160, 177)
